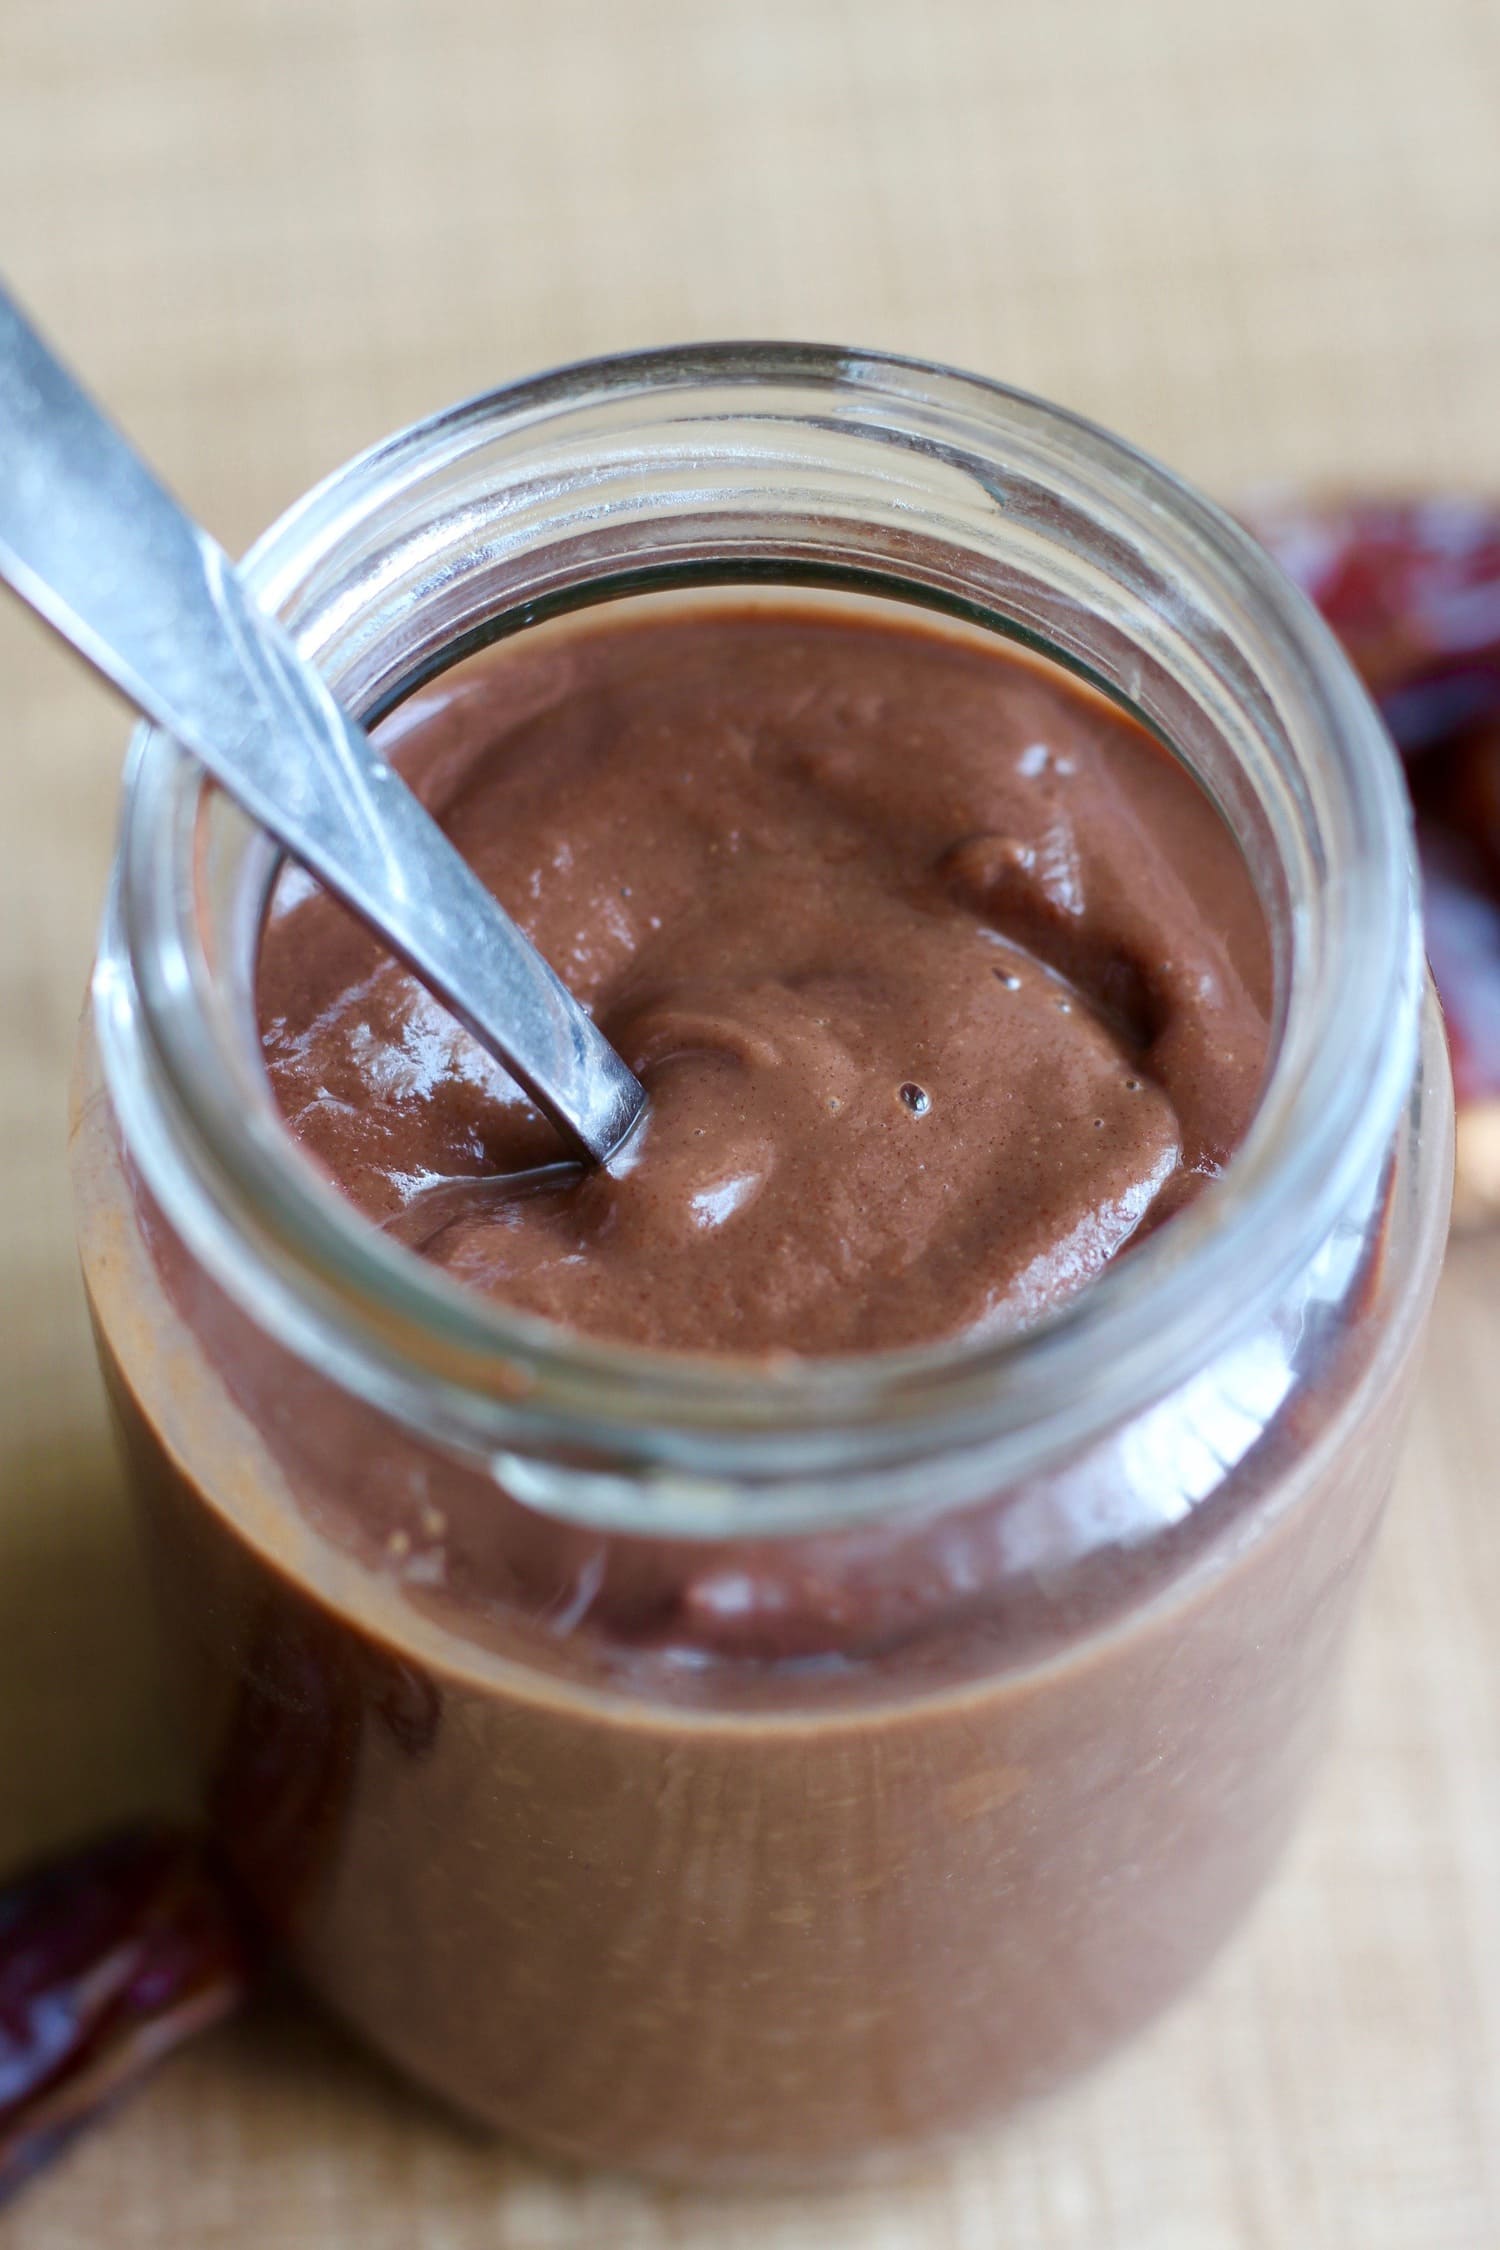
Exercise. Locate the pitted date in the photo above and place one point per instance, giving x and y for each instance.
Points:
(1412, 588)
(109, 1958)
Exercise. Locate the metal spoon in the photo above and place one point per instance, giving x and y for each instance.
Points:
(100, 550)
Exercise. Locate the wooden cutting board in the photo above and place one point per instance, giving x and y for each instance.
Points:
(1265, 243)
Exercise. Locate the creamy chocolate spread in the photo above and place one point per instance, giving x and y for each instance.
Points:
(945, 981)
(740, 1858)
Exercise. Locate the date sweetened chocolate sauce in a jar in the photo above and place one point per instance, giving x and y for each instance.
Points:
(776, 1650)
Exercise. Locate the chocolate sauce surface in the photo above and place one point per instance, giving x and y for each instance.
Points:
(945, 980)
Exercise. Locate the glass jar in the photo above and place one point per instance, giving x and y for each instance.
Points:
(726, 1772)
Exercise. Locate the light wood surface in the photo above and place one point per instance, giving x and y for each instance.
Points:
(1263, 241)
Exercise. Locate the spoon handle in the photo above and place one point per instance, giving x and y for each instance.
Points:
(101, 550)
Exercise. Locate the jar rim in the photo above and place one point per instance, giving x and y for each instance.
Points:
(818, 1439)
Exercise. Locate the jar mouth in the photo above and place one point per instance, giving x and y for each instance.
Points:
(800, 464)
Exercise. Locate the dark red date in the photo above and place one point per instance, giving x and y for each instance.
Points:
(109, 1958)
(1412, 588)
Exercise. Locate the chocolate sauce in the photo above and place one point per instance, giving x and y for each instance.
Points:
(945, 981)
